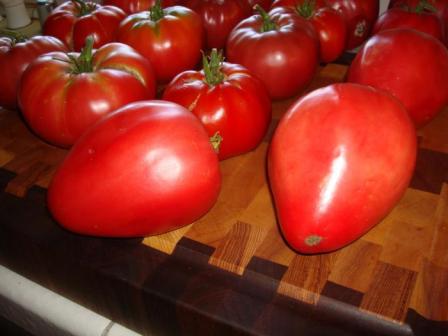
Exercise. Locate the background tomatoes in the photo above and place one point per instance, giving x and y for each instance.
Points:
(340, 159)
(62, 94)
(228, 100)
(145, 169)
(411, 65)
(171, 38)
(15, 55)
(73, 21)
(135, 6)
(278, 47)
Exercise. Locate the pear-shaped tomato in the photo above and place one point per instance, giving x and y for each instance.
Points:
(339, 161)
(145, 169)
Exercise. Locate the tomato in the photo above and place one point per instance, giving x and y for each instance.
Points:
(232, 104)
(135, 6)
(171, 38)
(360, 17)
(329, 24)
(62, 94)
(418, 19)
(145, 169)
(265, 4)
(74, 20)
(16, 53)
(411, 65)
(339, 161)
(279, 47)
(218, 18)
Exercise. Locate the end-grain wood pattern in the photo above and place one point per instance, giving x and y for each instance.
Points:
(395, 272)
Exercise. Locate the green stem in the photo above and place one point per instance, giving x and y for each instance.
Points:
(83, 63)
(212, 67)
(306, 9)
(83, 8)
(215, 141)
(268, 24)
(156, 11)
(15, 36)
(424, 6)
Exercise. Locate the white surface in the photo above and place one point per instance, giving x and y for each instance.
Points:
(43, 312)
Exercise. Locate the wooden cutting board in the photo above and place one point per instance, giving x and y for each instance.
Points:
(397, 271)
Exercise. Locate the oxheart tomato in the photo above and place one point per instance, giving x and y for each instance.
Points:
(74, 20)
(63, 94)
(218, 18)
(16, 53)
(360, 16)
(278, 47)
(171, 38)
(339, 161)
(415, 18)
(411, 65)
(135, 6)
(145, 169)
(329, 24)
(233, 105)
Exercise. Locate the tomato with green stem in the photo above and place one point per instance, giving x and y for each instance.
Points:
(231, 103)
(63, 94)
(135, 6)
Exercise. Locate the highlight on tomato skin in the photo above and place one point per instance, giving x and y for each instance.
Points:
(145, 169)
(339, 161)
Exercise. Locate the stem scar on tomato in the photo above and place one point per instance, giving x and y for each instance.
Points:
(313, 240)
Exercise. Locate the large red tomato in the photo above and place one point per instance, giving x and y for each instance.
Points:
(15, 55)
(279, 47)
(171, 38)
(74, 20)
(232, 104)
(411, 65)
(218, 17)
(135, 6)
(62, 94)
(145, 169)
(360, 17)
(330, 25)
(339, 161)
(420, 20)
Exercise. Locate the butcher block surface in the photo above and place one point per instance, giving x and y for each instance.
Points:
(231, 272)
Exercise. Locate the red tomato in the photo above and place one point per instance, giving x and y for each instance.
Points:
(135, 6)
(411, 65)
(73, 21)
(420, 20)
(360, 16)
(15, 55)
(339, 161)
(329, 24)
(265, 4)
(171, 38)
(145, 169)
(218, 18)
(230, 102)
(279, 47)
(62, 94)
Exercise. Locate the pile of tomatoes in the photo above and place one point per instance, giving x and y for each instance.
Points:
(150, 95)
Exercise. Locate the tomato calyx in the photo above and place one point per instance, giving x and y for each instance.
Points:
(156, 11)
(306, 9)
(83, 8)
(268, 24)
(83, 63)
(424, 6)
(212, 67)
(313, 240)
(215, 141)
(15, 37)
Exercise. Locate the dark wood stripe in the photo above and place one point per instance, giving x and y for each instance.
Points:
(267, 268)
(422, 326)
(5, 177)
(431, 171)
(340, 293)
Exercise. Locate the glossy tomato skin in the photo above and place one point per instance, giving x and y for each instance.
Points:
(218, 17)
(425, 22)
(360, 16)
(60, 105)
(285, 59)
(15, 57)
(69, 24)
(238, 109)
(135, 6)
(145, 169)
(339, 161)
(172, 43)
(411, 65)
(329, 24)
